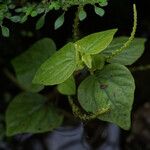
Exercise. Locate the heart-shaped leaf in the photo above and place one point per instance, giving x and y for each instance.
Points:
(117, 86)
(30, 113)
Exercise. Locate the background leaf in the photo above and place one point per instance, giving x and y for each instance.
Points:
(95, 43)
(117, 86)
(82, 15)
(30, 113)
(68, 87)
(129, 55)
(27, 63)
(59, 21)
(99, 11)
(57, 68)
(40, 23)
(5, 31)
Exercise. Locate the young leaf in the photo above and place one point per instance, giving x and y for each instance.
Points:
(90, 95)
(95, 43)
(5, 31)
(27, 63)
(87, 59)
(40, 23)
(127, 56)
(57, 68)
(68, 87)
(99, 11)
(29, 113)
(59, 21)
(117, 86)
(82, 15)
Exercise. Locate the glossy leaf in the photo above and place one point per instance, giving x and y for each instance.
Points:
(117, 86)
(129, 55)
(26, 64)
(30, 113)
(89, 95)
(57, 68)
(68, 87)
(95, 43)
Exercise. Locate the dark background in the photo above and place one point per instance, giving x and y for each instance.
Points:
(119, 15)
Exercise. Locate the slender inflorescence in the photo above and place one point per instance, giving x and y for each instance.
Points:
(118, 51)
(84, 116)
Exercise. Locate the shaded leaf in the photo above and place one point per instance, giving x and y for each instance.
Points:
(27, 63)
(129, 55)
(40, 23)
(5, 31)
(68, 87)
(29, 113)
(59, 21)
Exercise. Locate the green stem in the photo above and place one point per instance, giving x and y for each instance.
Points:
(76, 25)
(13, 79)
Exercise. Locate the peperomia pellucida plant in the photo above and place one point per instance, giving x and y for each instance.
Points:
(91, 72)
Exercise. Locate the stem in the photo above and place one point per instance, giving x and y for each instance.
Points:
(13, 79)
(76, 25)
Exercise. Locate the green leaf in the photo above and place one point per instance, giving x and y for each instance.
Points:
(103, 3)
(5, 31)
(95, 43)
(87, 59)
(68, 87)
(57, 68)
(129, 55)
(27, 63)
(40, 23)
(30, 113)
(99, 11)
(59, 21)
(117, 86)
(98, 62)
(82, 15)
(90, 94)
(15, 19)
